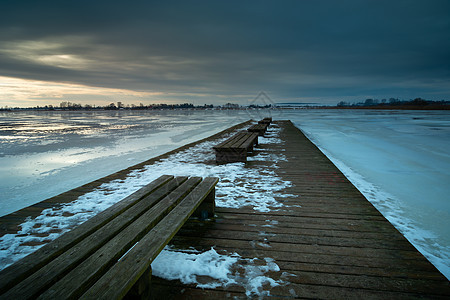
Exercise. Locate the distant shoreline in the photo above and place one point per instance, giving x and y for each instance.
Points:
(434, 105)
(394, 107)
(383, 107)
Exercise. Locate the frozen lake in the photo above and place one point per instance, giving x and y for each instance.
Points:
(43, 154)
(398, 159)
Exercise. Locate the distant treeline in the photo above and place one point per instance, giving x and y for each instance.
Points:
(394, 103)
(112, 106)
(120, 106)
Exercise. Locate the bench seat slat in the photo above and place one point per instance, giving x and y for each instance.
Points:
(238, 140)
(124, 274)
(232, 140)
(31, 263)
(229, 141)
(251, 139)
(93, 267)
(61, 265)
(237, 144)
(249, 142)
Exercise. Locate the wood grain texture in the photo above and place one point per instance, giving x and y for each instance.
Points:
(31, 263)
(124, 274)
(53, 271)
(91, 268)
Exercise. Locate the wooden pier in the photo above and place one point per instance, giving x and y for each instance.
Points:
(330, 240)
(336, 243)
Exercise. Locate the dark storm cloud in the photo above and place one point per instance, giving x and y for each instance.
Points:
(291, 49)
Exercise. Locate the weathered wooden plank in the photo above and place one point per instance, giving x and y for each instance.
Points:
(237, 143)
(325, 263)
(233, 141)
(325, 200)
(250, 141)
(206, 210)
(397, 244)
(377, 283)
(88, 271)
(229, 141)
(26, 266)
(306, 291)
(311, 222)
(292, 209)
(251, 250)
(306, 223)
(123, 275)
(267, 228)
(376, 216)
(289, 291)
(163, 289)
(239, 140)
(337, 208)
(37, 282)
(261, 244)
(361, 228)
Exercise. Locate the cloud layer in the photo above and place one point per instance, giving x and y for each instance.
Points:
(209, 52)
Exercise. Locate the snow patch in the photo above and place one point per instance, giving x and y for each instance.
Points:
(210, 270)
(190, 266)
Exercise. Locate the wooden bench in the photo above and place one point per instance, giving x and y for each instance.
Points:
(110, 255)
(258, 128)
(236, 148)
(265, 121)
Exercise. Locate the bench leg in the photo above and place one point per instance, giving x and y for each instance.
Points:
(207, 207)
(141, 289)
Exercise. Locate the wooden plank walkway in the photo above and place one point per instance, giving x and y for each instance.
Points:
(331, 238)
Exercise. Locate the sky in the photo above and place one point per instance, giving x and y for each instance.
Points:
(215, 52)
